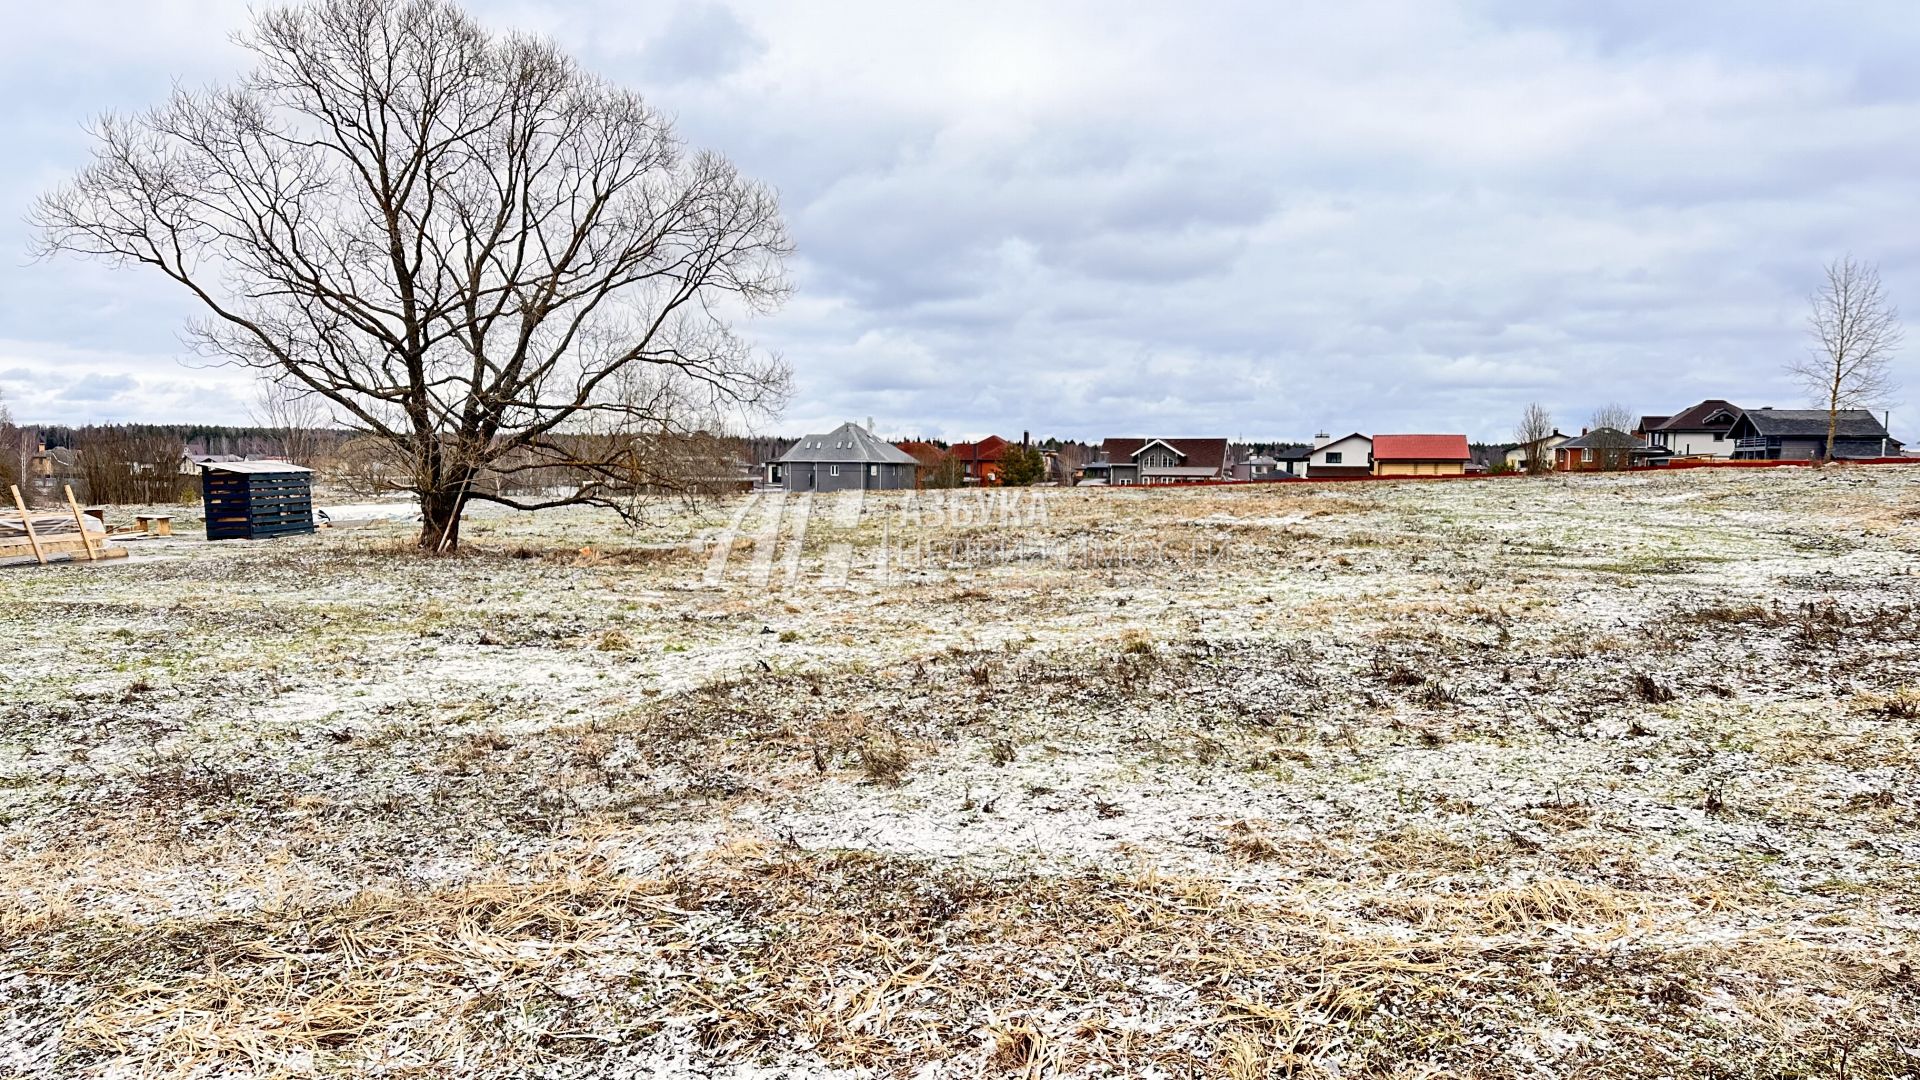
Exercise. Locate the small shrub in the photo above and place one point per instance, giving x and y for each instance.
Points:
(789, 635)
(1901, 705)
(1247, 842)
(1714, 800)
(1394, 673)
(884, 758)
(1650, 691)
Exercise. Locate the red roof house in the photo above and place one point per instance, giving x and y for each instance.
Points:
(981, 460)
(1420, 455)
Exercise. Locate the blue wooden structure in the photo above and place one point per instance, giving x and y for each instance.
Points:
(253, 500)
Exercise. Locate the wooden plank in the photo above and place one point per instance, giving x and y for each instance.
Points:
(81, 521)
(65, 550)
(26, 520)
(56, 547)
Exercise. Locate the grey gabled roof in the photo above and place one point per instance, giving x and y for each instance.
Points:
(848, 443)
(1812, 423)
(1605, 438)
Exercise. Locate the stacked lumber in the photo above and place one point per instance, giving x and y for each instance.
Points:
(47, 536)
(13, 527)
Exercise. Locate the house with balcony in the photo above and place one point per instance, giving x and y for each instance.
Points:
(1801, 435)
(1125, 462)
(1696, 432)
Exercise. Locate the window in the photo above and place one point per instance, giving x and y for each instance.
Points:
(1718, 436)
(833, 470)
(1333, 457)
(1586, 453)
(873, 470)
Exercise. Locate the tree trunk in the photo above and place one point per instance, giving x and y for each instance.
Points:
(440, 518)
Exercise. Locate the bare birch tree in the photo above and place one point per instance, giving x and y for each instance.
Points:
(459, 241)
(1532, 433)
(1855, 331)
(13, 469)
(1613, 415)
(292, 417)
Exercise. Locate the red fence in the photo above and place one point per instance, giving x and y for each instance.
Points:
(1771, 464)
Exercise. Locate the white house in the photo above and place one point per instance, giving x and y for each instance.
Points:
(1349, 455)
(1700, 431)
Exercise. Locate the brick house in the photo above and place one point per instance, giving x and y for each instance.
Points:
(980, 461)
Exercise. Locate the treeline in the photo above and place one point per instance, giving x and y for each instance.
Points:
(153, 463)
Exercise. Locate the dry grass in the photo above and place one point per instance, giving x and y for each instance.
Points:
(893, 964)
(1517, 779)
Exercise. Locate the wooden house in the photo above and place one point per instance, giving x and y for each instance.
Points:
(253, 500)
(1801, 435)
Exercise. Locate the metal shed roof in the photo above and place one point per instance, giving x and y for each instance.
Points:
(254, 467)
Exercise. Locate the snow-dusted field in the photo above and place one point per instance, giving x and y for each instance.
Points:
(1608, 776)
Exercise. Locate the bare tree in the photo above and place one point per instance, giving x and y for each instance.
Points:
(947, 472)
(12, 460)
(461, 242)
(1532, 433)
(131, 464)
(1071, 459)
(292, 417)
(1613, 415)
(1856, 331)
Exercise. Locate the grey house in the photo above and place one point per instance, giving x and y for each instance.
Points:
(848, 458)
(1801, 434)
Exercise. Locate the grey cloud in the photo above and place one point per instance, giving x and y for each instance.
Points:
(1225, 218)
(91, 388)
(702, 40)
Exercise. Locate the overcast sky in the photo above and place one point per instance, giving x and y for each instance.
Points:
(1190, 218)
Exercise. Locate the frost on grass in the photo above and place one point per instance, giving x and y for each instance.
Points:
(1609, 776)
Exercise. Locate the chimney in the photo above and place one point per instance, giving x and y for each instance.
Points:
(1583, 431)
(869, 425)
(1023, 438)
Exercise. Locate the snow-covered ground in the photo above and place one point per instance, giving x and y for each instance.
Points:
(1610, 775)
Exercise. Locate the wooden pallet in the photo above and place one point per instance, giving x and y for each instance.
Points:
(50, 550)
(256, 505)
